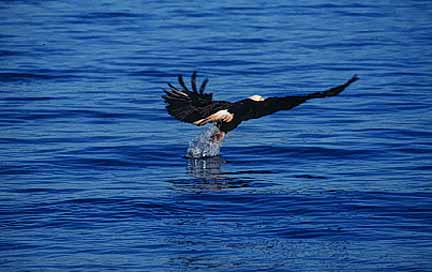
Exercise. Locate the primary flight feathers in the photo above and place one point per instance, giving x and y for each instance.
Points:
(197, 107)
(191, 105)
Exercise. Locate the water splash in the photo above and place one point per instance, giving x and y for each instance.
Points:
(203, 146)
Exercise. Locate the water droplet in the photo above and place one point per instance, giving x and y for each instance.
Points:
(203, 146)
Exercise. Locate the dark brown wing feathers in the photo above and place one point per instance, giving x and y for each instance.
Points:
(203, 85)
(190, 106)
(333, 91)
(274, 104)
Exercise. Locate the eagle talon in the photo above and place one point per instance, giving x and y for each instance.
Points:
(217, 136)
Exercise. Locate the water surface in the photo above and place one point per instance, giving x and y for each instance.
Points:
(93, 174)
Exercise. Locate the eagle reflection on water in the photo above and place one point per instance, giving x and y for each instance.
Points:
(208, 175)
(206, 168)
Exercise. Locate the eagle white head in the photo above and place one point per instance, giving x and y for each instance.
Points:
(256, 98)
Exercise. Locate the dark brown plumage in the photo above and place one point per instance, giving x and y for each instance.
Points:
(197, 107)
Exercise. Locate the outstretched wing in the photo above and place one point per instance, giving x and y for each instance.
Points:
(274, 104)
(191, 105)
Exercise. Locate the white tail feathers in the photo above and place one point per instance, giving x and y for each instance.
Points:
(222, 115)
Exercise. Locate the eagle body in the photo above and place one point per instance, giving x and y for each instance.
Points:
(197, 107)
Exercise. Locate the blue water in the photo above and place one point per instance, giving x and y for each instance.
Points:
(93, 174)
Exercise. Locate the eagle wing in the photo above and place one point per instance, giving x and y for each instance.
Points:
(191, 105)
(274, 104)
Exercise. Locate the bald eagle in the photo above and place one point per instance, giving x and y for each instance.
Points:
(197, 107)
